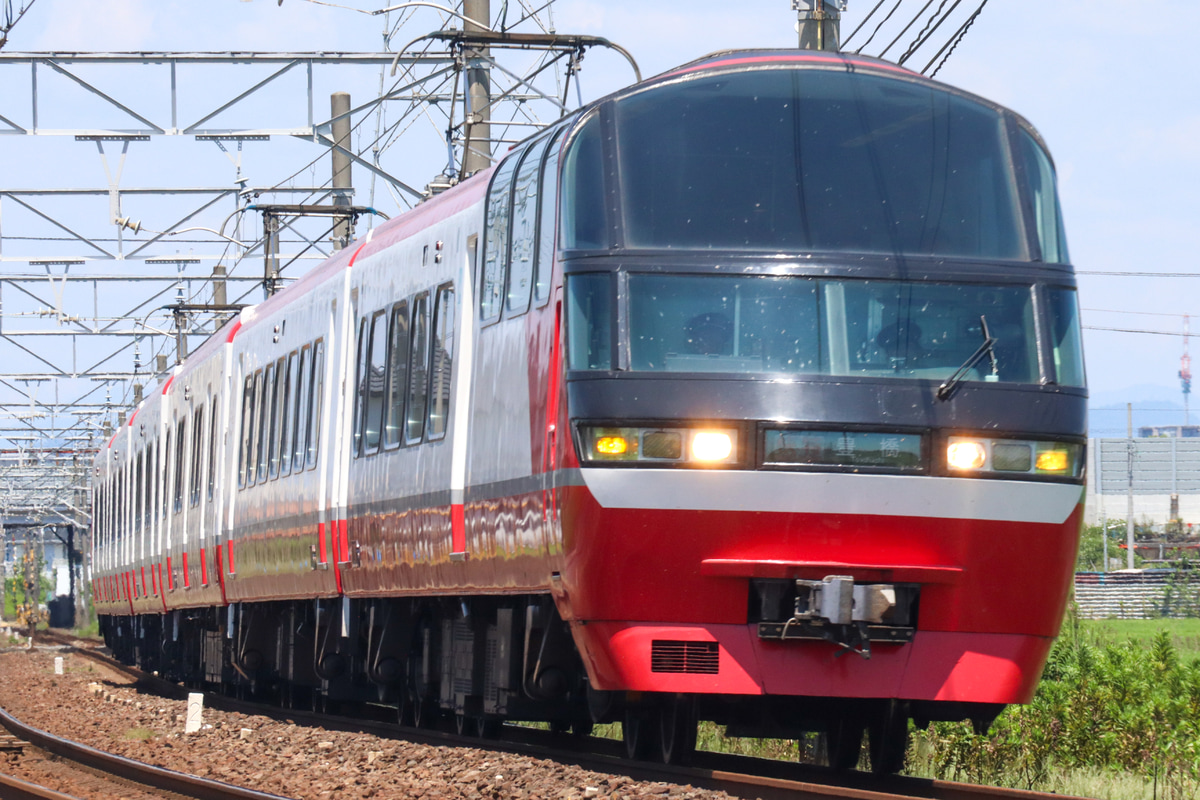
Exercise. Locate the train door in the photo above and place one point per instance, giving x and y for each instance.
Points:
(550, 447)
(463, 367)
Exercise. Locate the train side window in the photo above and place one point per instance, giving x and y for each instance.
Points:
(376, 382)
(418, 371)
(197, 456)
(276, 411)
(140, 487)
(442, 361)
(360, 386)
(247, 419)
(547, 212)
(165, 462)
(524, 230)
(302, 424)
(255, 424)
(287, 416)
(397, 375)
(180, 462)
(212, 447)
(495, 249)
(316, 402)
(266, 398)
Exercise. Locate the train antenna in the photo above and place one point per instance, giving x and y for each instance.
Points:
(1185, 370)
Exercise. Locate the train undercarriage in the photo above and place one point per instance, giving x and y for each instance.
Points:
(472, 664)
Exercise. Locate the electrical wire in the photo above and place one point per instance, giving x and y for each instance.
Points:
(925, 36)
(882, 22)
(1134, 330)
(954, 40)
(905, 29)
(866, 19)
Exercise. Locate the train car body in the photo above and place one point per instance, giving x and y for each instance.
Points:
(751, 393)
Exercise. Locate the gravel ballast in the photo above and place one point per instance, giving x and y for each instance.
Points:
(103, 709)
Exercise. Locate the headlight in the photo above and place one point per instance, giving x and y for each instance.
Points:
(698, 446)
(1009, 456)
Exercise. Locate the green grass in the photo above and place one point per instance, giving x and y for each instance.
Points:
(1184, 633)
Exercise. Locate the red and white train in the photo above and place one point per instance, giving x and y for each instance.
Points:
(751, 393)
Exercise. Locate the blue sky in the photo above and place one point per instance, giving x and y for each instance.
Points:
(1111, 85)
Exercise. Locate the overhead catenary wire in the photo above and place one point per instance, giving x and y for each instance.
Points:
(924, 37)
(882, 22)
(904, 30)
(953, 43)
(865, 20)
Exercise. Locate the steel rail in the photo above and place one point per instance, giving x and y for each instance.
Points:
(738, 776)
(128, 769)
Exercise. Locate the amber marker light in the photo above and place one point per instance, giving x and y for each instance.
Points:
(711, 446)
(611, 446)
(1053, 460)
(966, 455)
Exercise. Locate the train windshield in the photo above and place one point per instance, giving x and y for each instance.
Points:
(793, 160)
(798, 325)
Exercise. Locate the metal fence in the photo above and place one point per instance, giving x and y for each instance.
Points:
(1160, 466)
(1137, 595)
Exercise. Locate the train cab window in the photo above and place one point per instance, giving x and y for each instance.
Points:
(287, 416)
(1066, 337)
(524, 230)
(495, 250)
(1047, 215)
(316, 403)
(418, 371)
(376, 382)
(589, 321)
(397, 379)
(584, 219)
(244, 470)
(301, 424)
(880, 329)
(795, 159)
(360, 384)
(546, 216)
(180, 462)
(212, 447)
(442, 361)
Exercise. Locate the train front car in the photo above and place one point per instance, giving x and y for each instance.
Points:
(826, 392)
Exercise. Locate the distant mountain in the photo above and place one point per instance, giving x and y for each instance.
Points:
(1152, 405)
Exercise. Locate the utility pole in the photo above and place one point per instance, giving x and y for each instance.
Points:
(477, 153)
(819, 25)
(1129, 511)
(339, 104)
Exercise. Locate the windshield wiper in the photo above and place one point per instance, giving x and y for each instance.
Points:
(987, 348)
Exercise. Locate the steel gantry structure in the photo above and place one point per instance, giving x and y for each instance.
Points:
(109, 275)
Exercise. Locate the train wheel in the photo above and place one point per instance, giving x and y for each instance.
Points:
(639, 733)
(887, 737)
(677, 728)
(488, 727)
(425, 711)
(843, 743)
(582, 728)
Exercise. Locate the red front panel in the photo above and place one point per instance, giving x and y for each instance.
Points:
(992, 595)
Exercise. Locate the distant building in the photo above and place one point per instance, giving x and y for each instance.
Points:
(1169, 432)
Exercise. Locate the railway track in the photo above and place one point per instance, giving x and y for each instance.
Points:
(736, 775)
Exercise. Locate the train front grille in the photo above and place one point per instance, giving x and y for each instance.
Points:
(702, 658)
